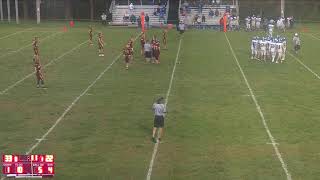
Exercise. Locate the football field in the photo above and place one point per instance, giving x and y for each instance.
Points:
(229, 117)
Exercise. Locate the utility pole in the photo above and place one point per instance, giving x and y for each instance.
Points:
(8, 7)
(282, 7)
(1, 10)
(237, 7)
(17, 11)
(38, 11)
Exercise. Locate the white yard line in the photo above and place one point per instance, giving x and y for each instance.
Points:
(155, 148)
(48, 64)
(18, 32)
(272, 139)
(313, 36)
(305, 66)
(72, 104)
(20, 49)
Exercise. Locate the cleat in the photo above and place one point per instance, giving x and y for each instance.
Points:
(153, 140)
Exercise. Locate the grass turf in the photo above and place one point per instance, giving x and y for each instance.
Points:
(213, 130)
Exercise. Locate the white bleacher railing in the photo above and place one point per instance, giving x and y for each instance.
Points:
(119, 11)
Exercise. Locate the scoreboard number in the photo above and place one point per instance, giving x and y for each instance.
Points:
(49, 158)
(19, 169)
(8, 170)
(50, 170)
(40, 171)
(7, 158)
(34, 157)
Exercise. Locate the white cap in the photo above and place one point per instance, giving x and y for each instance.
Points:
(296, 34)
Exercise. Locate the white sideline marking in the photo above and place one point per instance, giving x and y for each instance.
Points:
(18, 50)
(273, 141)
(18, 32)
(48, 64)
(305, 66)
(155, 148)
(74, 102)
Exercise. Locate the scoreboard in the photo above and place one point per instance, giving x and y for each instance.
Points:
(28, 166)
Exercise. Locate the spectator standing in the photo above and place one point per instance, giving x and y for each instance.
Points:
(126, 16)
(139, 21)
(104, 18)
(211, 13)
(131, 7)
(133, 19)
(200, 6)
(181, 27)
(147, 19)
(203, 19)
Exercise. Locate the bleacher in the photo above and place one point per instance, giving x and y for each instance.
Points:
(118, 12)
(188, 18)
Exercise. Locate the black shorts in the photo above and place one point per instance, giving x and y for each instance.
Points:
(181, 31)
(297, 47)
(147, 54)
(158, 121)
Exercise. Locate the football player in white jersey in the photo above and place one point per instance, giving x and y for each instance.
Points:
(254, 44)
(273, 51)
(263, 49)
(279, 51)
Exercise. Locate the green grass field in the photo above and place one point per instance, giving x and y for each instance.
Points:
(101, 119)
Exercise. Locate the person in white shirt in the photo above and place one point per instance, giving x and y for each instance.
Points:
(270, 28)
(159, 109)
(104, 18)
(273, 51)
(248, 27)
(131, 7)
(258, 22)
(296, 43)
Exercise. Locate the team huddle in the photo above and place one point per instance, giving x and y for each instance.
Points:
(268, 48)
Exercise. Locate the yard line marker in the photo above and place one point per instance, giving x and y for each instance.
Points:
(156, 145)
(48, 64)
(313, 36)
(20, 49)
(74, 102)
(305, 66)
(272, 139)
(18, 32)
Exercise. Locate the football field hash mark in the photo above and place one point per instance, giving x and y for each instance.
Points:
(156, 145)
(272, 139)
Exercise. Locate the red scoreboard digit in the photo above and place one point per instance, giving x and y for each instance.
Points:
(28, 166)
